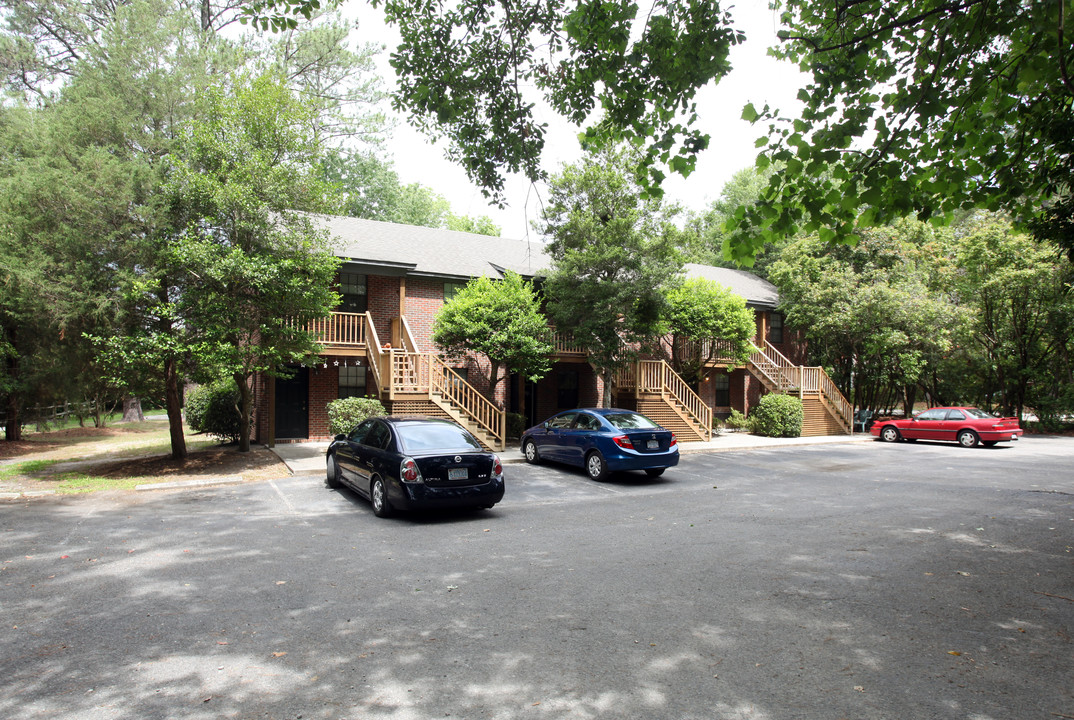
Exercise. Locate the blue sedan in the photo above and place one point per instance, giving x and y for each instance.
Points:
(602, 440)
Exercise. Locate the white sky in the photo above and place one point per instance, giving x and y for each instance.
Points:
(755, 78)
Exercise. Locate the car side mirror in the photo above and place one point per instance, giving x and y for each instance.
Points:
(341, 436)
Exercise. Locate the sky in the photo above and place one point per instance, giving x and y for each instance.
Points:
(755, 78)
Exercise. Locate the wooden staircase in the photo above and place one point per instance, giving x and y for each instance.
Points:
(827, 412)
(416, 382)
(663, 396)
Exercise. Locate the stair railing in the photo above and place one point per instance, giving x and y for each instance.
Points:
(657, 376)
(456, 390)
(374, 353)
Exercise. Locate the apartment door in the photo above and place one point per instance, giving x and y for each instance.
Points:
(292, 405)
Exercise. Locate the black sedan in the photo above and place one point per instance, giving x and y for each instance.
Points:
(602, 440)
(410, 463)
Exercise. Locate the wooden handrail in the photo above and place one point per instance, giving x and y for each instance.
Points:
(407, 337)
(479, 408)
(340, 329)
(657, 376)
(373, 352)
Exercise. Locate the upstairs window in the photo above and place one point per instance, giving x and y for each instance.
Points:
(352, 287)
(451, 288)
(775, 328)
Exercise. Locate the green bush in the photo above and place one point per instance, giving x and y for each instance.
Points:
(345, 413)
(777, 416)
(516, 425)
(737, 421)
(214, 410)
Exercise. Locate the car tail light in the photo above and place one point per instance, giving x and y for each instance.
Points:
(674, 441)
(409, 472)
(624, 442)
(497, 466)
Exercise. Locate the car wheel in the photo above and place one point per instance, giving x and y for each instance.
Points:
(378, 496)
(967, 438)
(333, 473)
(989, 443)
(655, 472)
(530, 451)
(889, 434)
(595, 466)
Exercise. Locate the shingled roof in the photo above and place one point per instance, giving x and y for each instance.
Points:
(413, 250)
(432, 251)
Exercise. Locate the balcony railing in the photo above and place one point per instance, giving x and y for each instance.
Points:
(340, 329)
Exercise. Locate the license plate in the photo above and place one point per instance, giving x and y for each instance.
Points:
(653, 444)
(458, 473)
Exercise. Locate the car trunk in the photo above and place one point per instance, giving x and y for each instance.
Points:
(455, 470)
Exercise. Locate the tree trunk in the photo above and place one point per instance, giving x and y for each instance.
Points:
(132, 409)
(174, 405)
(606, 391)
(13, 431)
(244, 412)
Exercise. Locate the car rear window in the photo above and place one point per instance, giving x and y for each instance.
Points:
(979, 414)
(629, 421)
(435, 436)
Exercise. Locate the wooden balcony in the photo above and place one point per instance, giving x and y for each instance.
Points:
(343, 332)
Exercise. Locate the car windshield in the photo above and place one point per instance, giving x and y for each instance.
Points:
(420, 436)
(978, 413)
(629, 421)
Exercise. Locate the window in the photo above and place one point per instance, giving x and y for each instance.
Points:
(722, 390)
(561, 421)
(567, 389)
(955, 415)
(352, 287)
(775, 328)
(934, 414)
(351, 382)
(586, 421)
(451, 288)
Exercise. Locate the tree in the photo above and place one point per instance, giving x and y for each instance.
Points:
(613, 253)
(917, 108)
(255, 269)
(707, 320)
(371, 189)
(500, 320)
(870, 313)
(1021, 307)
(465, 72)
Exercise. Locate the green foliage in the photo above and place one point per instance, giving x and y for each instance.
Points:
(914, 110)
(707, 321)
(613, 254)
(466, 71)
(876, 314)
(516, 425)
(214, 410)
(777, 416)
(737, 421)
(501, 320)
(345, 413)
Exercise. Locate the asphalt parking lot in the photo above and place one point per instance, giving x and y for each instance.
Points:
(846, 581)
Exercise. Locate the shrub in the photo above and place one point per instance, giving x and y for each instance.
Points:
(214, 410)
(737, 421)
(516, 425)
(777, 416)
(345, 413)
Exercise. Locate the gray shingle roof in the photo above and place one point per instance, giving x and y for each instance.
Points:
(432, 251)
(757, 291)
(448, 253)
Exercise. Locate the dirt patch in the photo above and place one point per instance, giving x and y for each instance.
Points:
(78, 460)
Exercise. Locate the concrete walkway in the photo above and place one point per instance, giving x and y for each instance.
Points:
(308, 458)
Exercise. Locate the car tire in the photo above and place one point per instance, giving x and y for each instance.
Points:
(529, 449)
(595, 467)
(989, 443)
(890, 433)
(655, 472)
(333, 473)
(968, 438)
(378, 498)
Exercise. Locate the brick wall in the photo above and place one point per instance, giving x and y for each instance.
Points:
(383, 303)
(424, 298)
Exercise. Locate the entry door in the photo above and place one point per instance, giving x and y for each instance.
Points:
(292, 405)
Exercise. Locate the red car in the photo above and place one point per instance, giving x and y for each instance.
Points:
(967, 426)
